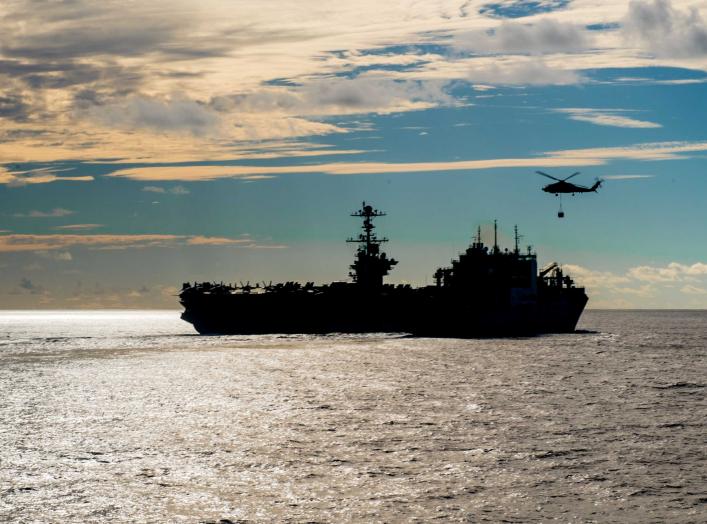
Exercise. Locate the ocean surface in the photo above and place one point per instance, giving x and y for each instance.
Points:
(132, 417)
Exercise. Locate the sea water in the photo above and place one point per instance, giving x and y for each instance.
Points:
(129, 416)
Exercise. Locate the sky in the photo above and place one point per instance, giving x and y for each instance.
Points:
(149, 143)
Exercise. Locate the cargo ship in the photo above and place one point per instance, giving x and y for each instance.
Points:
(485, 292)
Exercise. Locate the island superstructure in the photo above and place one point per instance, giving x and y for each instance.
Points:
(484, 292)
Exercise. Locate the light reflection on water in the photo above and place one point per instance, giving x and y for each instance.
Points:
(127, 416)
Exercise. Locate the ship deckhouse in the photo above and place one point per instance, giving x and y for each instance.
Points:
(371, 264)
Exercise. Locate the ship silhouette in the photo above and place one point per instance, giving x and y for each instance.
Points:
(485, 292)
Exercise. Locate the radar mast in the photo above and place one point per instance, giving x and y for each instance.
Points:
(371, 264)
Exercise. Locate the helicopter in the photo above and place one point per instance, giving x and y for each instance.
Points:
(561, 186)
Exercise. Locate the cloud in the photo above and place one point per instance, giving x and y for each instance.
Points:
(214, 241)
(61, 256)
(339, 96)
(563, 158)
(176, 80)
(171, 115)
(645, 286)
(14, 243)
(176, 190)
(13, 106)
(673, 272)
(36, 176)
(606, 117)
(664, 30)
(693, 290)
(54, 213)
(179, 190)
(78, 227)
(210, 172)
(542, 37)
(523, 71)
(645, 152)
(627, 177)
(592, 278)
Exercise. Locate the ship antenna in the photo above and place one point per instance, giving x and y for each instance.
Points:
(518, 237)
(495, 236)
(371, 264)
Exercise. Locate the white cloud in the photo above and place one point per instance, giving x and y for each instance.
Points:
(180, 80)
(176, 190)
(562, 158)
(15, 243)
(158, 114)
(521, 71)
(673, 272)
(673, 285)
(664, 30)
(372, 93)
(693, 290)
(62, 256)
(627, 177)
(37, 176)
(179, 190)
(606, 117)
(54, 213)
(547, 35)
(153, 189)
(76, 227)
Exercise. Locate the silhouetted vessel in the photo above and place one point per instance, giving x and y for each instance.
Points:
(485, 292)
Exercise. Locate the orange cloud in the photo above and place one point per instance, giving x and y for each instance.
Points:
(562, 158)
(14, 243)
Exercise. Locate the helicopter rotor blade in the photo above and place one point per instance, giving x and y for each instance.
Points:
(548, 176)
(573, 174)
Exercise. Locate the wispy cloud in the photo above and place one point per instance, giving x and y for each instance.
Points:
(521, 71)
(627, 177)
(606, 117)
(176, 190)
(54, 213)
(78, 227)
(37, 176)
(179, 80)
(14, 243)
(562, 158)
(644, 286)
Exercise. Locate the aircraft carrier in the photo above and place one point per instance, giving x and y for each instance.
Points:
(486, 292)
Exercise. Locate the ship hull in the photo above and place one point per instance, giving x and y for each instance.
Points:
(430, 315)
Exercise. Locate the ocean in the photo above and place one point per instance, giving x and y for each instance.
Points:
(129, 416)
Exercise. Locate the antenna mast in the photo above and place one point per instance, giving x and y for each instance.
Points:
(517, 238)
(371, 265)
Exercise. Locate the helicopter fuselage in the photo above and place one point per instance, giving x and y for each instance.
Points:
(566, 187)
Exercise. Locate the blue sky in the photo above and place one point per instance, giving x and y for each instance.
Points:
(222, 141)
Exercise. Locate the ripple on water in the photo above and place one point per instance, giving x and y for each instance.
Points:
(119, 418)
